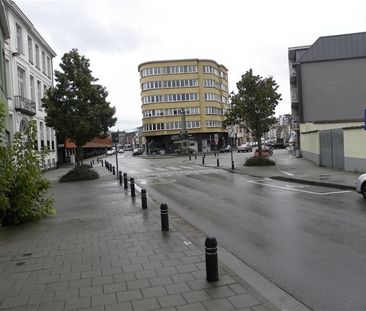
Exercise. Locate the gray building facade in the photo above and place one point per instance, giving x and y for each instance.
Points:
(328, 94)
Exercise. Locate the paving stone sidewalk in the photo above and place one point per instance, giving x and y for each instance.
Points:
(103, 252)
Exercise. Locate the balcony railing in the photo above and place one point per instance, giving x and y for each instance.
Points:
(25, 105)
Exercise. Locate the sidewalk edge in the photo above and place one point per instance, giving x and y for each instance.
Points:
(313, 182)
(274, 294)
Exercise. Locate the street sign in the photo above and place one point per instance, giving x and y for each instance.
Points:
(231, 133)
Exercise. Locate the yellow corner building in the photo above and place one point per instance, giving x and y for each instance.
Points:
(194, 90)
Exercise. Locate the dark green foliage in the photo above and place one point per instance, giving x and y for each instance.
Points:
(82, 172)
(23, 191)
(259, 161)
(253, 107)
(77, 107)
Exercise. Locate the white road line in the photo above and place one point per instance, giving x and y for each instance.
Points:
(160, 168)
(287, 173)
(173, 168)
(299, 190)
(186, 167)
(147, 170)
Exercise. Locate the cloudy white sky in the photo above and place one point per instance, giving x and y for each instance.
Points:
(119, 35)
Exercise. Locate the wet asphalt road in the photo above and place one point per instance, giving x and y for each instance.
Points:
(310, 241)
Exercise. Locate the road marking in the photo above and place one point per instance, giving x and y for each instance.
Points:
(147, 170)
(160, 168)
(186, 167)
(173, 168)
(287, 173)
(299, 190)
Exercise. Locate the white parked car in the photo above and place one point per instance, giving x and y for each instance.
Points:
(110, 152)
(361, 185)
(245, 148)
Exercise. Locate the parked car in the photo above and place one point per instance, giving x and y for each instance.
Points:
(121, 150)
(110, 152)
(245, 148)
(137, 151)
(361, 185)
(226, 149)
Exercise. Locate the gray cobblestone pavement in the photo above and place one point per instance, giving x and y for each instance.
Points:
(103, 252)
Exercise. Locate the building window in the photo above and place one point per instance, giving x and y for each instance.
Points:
(23, 125)
(7, 77)
(21, 82)
(213, 70)
(44, 62)
(169, 84)
(39, 94)
(37, 57)
(170, 98)
(32, 91)
(30, 50)
(213, 123)
(48, 67)
(168, 70)
(213, 110)
(19, 38)
(41, 133)
(2, 68)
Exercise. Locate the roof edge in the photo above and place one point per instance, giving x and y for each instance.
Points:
(181, 60)
(19, 13)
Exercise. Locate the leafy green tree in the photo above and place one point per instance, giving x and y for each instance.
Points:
(23, 190)
(77, 107)
(253, 107)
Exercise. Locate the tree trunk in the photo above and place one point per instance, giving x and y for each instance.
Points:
(259, 139)
(78, 156)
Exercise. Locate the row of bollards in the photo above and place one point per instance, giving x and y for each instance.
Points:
(217, 160)
(124, 181)
(211, 258)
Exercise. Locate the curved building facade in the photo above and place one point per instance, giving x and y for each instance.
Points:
(190, 91)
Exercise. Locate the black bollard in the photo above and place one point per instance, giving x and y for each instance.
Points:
(215, 154)
(203, 160)
(195, 156)
(120, 178)
(114, 170)
(125, 180)
(132, 182)
(164, 217)
(91, 164)
(232, 165)
(189, 157)
(218, 162)
(212, 273)
(102, 162)
(93, 161)
(143, 199)
(98, 160)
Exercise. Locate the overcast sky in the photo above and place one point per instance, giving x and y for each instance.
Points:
(119, 35)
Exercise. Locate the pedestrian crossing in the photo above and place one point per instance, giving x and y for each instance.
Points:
(168, 171)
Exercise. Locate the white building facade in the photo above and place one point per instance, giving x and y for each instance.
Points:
(29, 69)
